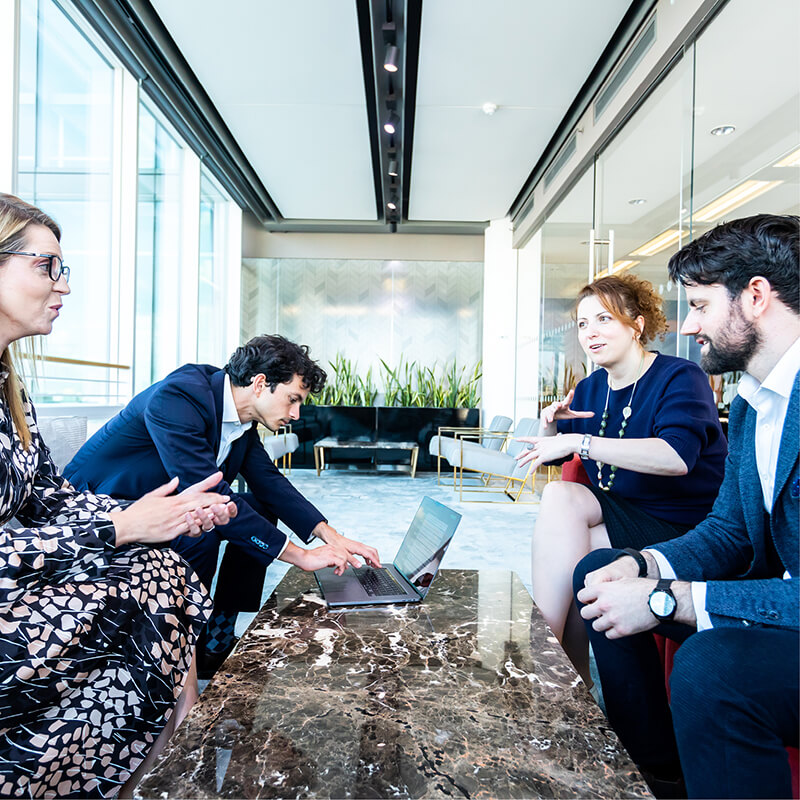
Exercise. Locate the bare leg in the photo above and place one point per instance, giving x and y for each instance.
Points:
(570, 525)
(185, 701)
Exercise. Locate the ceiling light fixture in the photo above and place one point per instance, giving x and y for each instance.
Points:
(489, 108)
(736, 197)
(723, 130)
(617, 267)
(637, 201)
(391, 58)
(392, 204)
(792, 160)
(659, 243)
(390, 126)
(393, 168)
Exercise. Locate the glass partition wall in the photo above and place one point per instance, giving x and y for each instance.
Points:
(65, 163)
(718, 138)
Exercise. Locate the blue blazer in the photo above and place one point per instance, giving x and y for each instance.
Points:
(731, 548)
(173, 428)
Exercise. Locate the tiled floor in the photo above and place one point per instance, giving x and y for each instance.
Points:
(377, 509)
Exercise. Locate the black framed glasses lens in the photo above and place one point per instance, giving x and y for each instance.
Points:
(57, 268)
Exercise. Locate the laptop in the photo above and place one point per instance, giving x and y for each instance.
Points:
(409, 577)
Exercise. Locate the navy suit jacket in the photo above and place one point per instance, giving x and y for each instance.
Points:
(730, 548)
(174, 428)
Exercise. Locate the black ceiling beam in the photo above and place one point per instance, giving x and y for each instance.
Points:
(135, 33)
(373, 118)
(413, 33)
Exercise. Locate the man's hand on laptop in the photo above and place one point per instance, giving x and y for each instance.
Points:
(317, 557)
(348, 547)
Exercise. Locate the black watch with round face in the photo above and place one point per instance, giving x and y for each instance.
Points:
(662, 602)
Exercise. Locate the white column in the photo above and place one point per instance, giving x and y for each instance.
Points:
(529, 313)
(125, 176)
(233, 280)
(499, 321)
(9, 62)
(190, 259)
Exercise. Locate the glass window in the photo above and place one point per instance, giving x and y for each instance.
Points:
(65, 164)
(642, 193)
(565, 270)
(158, 251)
(211, 293)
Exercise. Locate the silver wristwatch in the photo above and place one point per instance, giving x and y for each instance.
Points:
(585, 444)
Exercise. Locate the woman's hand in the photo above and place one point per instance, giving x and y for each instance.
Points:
(160, 515)
(542, 449)
(561, 410)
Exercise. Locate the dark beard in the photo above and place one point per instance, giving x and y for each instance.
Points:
(734, 348)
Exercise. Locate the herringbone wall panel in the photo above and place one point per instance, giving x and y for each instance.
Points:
(424, 311)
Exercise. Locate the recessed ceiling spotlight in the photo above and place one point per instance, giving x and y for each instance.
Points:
(390, 60)
(489, 108)
(393, 167)
(637, 201)
(390, 126)
(391, 205)
(723, 130)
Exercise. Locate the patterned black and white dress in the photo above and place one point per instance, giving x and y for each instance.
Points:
(95, 641)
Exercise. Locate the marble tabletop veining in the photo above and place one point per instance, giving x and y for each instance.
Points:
(466, 695)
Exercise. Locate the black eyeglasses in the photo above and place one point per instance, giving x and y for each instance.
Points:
(55, 264)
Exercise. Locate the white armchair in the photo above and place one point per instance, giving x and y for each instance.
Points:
(280, 445)
(491, 438)
(497, 471)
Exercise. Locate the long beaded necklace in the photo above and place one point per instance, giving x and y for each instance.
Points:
(626, 413)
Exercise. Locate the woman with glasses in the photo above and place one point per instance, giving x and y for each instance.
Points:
(648, 431)
(97, 627)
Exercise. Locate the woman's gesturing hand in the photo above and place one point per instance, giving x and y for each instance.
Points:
(161, 515)
(543, 449)
(561, 410)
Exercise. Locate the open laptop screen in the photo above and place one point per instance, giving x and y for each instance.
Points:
(429, 534)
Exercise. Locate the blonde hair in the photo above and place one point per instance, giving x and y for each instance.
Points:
(15, 217)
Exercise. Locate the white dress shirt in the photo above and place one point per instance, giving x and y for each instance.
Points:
(770, 400)
(232, 428)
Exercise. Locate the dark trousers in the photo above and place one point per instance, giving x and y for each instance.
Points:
(241, 577)
(734, 695)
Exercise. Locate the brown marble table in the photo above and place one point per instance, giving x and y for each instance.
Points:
(467, 695)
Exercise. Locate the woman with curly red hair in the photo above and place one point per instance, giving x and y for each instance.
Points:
(648, 431)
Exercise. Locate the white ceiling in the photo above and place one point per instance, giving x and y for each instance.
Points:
(287, 79)
(530, 58)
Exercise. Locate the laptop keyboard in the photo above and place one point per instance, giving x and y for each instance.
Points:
(378, 583)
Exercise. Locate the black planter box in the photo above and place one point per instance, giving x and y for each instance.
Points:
(370, 424)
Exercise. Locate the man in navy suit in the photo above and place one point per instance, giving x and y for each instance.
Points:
(200, 419)
(729, 588)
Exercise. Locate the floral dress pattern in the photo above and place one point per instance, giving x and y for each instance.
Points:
(94, 641)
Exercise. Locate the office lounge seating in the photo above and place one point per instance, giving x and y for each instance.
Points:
(496, 474)
(64, 436)
(449, 440)
(280, 445)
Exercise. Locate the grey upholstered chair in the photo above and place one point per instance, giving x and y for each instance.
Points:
(497, 472)
(64, 436)
(280, 446)
(492, 438)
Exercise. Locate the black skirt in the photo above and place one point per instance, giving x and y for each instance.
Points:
(629, 526)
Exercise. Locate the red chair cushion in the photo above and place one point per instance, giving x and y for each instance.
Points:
(574, 472)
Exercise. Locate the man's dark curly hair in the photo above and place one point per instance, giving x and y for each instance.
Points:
(734, 252)
(278, 359)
